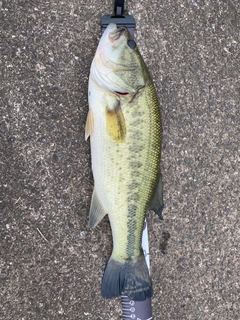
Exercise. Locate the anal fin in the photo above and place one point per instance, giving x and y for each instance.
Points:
(96, 211)
(156, 203)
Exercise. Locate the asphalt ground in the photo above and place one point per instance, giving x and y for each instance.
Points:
(51, 263)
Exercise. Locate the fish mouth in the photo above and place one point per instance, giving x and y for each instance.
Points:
(117, 33)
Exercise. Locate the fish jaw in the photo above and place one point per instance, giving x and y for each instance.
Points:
(106, 56)
(110, 38)
(116, 67)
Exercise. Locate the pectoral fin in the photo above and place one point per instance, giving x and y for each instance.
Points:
(96, 211)
(156, 203)
(115, 123)
(89, 124)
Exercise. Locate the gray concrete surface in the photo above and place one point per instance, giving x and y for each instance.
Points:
(51, 263)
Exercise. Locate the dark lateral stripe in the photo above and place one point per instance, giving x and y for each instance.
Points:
(131, 226)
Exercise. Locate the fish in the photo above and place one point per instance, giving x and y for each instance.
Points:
(124, 126)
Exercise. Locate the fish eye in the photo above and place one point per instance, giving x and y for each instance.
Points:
(131, 44)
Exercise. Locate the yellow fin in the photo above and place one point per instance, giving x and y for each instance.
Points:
(89, 124)
(97, 211)
(115, 123)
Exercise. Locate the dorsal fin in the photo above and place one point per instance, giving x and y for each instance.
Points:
(156, 203)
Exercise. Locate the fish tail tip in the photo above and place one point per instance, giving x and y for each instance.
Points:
(130, 277)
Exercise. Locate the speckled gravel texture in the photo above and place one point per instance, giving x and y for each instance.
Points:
(51, 263)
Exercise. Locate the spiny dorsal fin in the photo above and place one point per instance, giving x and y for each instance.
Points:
(96, 211)
(115, 123)
(89, 127)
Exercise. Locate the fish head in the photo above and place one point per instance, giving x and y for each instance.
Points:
(118, 65)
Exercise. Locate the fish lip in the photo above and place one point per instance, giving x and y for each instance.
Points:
(117, 33)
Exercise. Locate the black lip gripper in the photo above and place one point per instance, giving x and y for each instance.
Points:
(120, 19)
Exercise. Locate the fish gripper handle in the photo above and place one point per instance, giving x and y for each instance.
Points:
(138, 310)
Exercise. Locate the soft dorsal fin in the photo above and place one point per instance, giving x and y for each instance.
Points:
(96, 211)
(156, 203)
(115, 123)
(89, 127)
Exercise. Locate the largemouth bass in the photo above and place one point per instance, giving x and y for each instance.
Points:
(125, 130)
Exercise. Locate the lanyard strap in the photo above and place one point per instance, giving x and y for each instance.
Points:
(119, 7)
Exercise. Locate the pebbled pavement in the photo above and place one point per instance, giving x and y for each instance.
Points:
(51, 264)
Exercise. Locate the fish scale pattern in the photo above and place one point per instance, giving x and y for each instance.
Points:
(147, 149)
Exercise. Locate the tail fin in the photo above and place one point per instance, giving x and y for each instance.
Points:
(130, 277)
